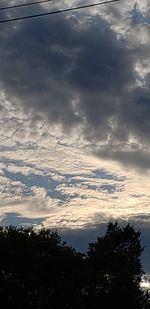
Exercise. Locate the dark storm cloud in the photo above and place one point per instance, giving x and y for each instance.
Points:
(77, 73)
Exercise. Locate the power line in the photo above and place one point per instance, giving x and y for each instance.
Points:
(23, 4)
(58, 11)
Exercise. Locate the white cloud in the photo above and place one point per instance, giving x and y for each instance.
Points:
(71, 187)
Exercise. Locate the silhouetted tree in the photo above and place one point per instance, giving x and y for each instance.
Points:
(38, 270)
(115, 269)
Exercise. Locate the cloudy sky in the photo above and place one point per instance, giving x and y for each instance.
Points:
(75, 118)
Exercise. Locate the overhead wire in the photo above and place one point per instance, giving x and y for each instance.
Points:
(57, 11)
(23, 4)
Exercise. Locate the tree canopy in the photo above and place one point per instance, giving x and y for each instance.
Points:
(38, 270)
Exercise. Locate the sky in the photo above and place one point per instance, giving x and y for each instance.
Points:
(75, 119)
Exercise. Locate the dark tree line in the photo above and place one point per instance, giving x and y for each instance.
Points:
(38, 270)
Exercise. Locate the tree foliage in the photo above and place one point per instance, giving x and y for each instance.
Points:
(38, 270)
(116, 270)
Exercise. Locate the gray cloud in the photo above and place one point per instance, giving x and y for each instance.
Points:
(135, 157)
(76, 71)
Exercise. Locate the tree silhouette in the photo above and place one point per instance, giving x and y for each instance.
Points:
(115, 269)
(38, 270)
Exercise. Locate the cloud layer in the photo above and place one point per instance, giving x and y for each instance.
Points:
(81, 71)
(74, 103)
